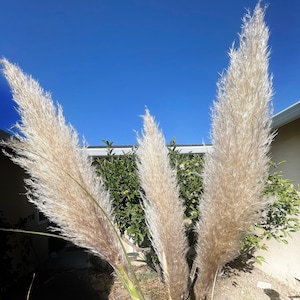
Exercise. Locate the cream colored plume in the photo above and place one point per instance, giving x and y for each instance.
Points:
(236, 171)
(62, 184)
(163, 208)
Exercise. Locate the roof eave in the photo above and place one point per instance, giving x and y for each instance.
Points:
(286, 116)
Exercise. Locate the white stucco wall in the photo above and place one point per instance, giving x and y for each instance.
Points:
(283, 261)
(286, 146)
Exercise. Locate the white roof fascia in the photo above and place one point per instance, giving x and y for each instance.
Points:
(102, 151)
(194, 149)
(286, 116)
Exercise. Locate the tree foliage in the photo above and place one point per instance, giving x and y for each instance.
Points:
(120, 177)
(280, 217)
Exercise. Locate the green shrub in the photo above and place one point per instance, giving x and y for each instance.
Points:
(188, 167)
(280, 217)
(119, 175)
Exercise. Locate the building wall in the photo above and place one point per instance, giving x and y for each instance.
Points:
(286, 147)
(283, 261)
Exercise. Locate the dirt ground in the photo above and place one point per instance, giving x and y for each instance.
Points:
(237, 282)
(82, 284)
(251, 284)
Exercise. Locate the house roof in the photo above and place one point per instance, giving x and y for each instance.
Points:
(287, 115)
(4, 135)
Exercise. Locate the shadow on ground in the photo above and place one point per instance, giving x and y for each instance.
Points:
(66, 276)
(274, 295)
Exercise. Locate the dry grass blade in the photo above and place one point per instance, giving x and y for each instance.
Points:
(30, 287)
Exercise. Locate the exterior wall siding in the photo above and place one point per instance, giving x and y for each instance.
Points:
(283, 260)
(286, 147)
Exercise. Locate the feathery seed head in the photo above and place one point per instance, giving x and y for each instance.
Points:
(63, 184)
(235, 173)
(163, 208)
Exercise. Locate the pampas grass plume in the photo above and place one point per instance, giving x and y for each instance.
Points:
(236, 171)
(163, 208)
(62, 184)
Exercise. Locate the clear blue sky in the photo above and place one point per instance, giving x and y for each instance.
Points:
(105, 60)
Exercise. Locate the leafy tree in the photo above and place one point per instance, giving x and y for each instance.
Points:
(280, 217)
(120, 176)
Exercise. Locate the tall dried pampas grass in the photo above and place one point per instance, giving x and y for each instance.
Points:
(163, 208)
(236, 171)
(63, 184)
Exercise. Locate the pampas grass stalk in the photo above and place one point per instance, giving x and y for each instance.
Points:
(236, 171)
(62, 182)
(163, 208)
